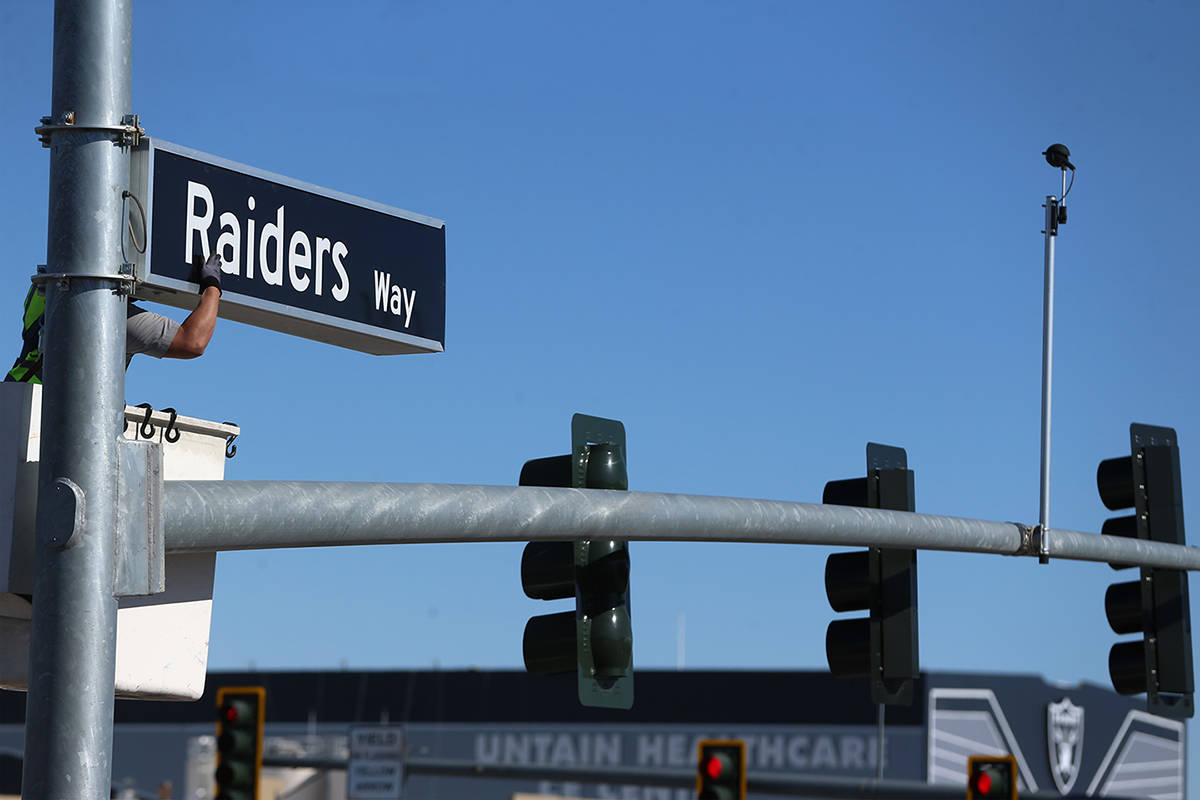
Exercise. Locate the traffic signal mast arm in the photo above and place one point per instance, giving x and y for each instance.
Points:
(208, 516)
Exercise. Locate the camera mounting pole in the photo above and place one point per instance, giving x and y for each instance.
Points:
(1057, 155)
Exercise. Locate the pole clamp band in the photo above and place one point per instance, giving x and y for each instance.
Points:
(125, 280)
(128, 134)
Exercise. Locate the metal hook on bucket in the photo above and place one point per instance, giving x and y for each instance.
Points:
(171, 429)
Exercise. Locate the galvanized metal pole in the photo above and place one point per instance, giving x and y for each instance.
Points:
(68, 734)
(1050, 232)
(208, 516)
(879, 744)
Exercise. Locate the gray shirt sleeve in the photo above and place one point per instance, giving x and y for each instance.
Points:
(147, 332)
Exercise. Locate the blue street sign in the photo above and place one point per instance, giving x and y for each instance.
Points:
(298, 258)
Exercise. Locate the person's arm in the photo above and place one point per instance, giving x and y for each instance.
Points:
(196, 331)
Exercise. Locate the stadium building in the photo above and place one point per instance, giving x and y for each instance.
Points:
(1078, 740)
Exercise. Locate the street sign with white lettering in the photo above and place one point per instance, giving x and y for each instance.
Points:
(297, 258)
(376, 767)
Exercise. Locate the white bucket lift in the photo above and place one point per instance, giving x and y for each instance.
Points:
(162, 639)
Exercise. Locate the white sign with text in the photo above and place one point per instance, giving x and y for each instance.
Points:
(376, 768)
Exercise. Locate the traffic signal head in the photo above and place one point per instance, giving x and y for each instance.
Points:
(991, 778)
(240, 711)
(596, 640)
(1156, 604)
(721, 770)
(881, 581)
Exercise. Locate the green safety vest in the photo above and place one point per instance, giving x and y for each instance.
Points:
(28, 367)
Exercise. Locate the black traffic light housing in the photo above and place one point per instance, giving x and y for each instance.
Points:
(1156, 605)
(596, 639)
(883, 645)
(991, 777)
(240, 713)
(721, 769)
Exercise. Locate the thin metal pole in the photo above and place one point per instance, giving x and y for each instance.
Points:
(208, 516)
(69, 716)
(879, 742)
(1047, 367)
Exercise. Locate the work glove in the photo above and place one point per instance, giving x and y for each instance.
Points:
(210, 272)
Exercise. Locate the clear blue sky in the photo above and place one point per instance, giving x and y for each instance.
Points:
(760, 234)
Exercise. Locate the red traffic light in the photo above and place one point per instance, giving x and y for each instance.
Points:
(983, 783)
(992, 777)
(238, 708)
(721, 769)
(239, 741)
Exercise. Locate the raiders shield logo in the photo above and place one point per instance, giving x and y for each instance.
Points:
(1064, 735)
